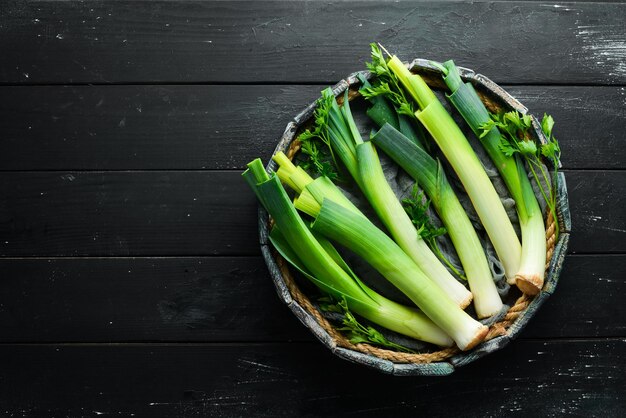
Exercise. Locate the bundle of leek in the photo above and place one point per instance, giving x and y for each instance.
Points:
(336, 127)
(530, 275)
(429, 174)
(340, 222)
(318, 261)
(465, 163)
(360, 235)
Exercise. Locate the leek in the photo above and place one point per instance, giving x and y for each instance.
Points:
(429, 175)
(315, 191)
(306, 187)
(411, 155)
(293, 239)
(361, 160)
(530, 275)
(466, 164)
(358, 234)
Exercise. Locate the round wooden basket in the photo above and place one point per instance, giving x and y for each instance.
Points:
(443, 361)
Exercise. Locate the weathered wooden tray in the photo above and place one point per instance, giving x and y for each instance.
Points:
(436, 362)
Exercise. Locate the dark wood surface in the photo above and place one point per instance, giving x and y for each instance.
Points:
(131, 277)
(199, 212)
(305, 379)
(174, 127)
(297, 42)
(215, 299)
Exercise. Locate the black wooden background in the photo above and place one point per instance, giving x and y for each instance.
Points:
(131, 280)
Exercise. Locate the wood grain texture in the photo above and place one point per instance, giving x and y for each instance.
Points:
(597, 202)
(127, 213)
(194, 42)
(216, 299)
(225, 127)
(548, 378)
(142, 299)
(600, 278)
(209, 213)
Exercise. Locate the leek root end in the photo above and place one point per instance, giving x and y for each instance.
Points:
(529, 284)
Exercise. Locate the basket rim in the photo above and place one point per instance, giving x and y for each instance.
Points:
(440, 362)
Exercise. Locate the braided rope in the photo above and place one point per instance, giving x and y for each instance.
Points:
(550, 238)
(495, 330)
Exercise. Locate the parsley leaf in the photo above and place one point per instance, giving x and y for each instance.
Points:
(387, 84)
(316, 161)
(417, 208)
(357, 332)
(527, 148)
(320, 162)
(517, 139)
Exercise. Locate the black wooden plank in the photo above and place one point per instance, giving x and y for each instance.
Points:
(597, 202)
(225, 127)
(127, 213)
(537, 378)
(232, 299)
(145, 299)
(208, 213)
(184, 41)
(145, 127)
(585, 302)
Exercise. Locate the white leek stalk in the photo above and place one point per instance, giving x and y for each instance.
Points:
(362, 162)
(361, 236)
(467, 166)
(530, 275)
(430, 176)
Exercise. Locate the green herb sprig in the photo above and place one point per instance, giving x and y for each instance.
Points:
(318, 161)
(357, 332)
(517, 140)
(387, 84)
(417, 207)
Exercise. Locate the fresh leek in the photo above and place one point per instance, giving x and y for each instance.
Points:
(338, 129)
(530, 275)
(360, 235)
(429, 175)
(404, 108)
(294, 240)
(307, 187)
(465, 163)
